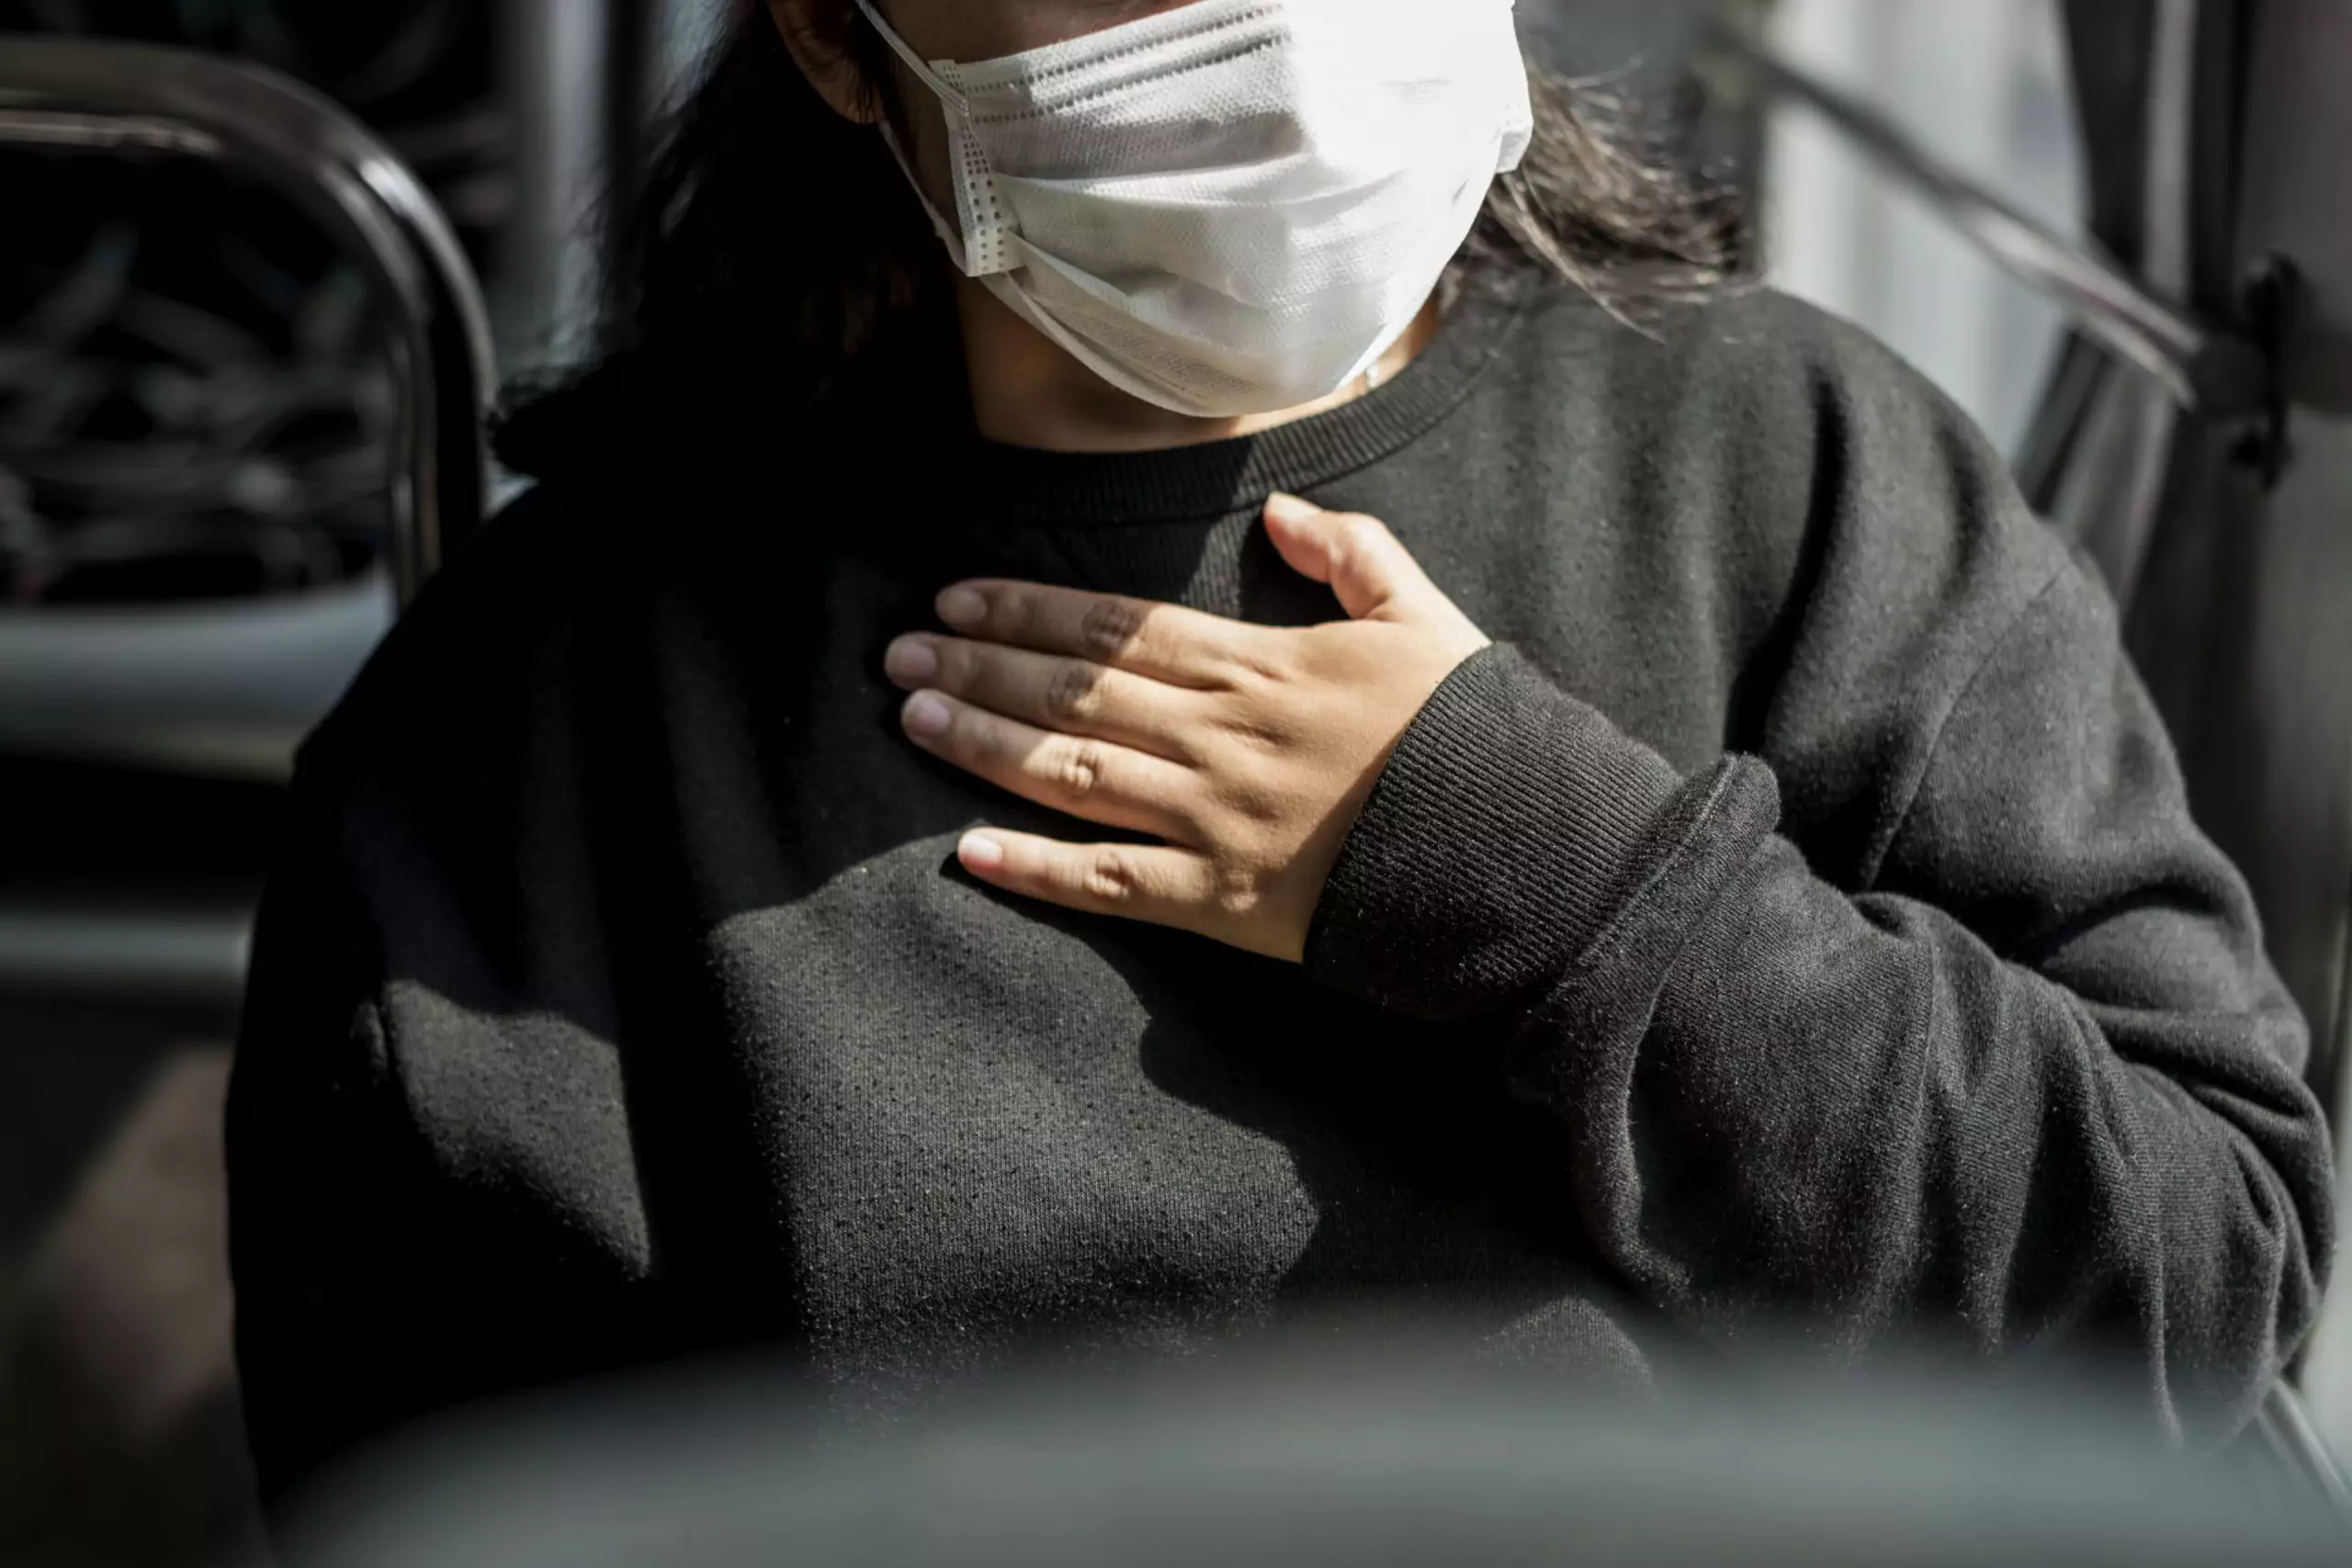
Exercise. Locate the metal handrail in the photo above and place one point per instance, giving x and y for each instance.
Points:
(2208, 369)
(101, 95)
(2284, 1424)
(191, 953)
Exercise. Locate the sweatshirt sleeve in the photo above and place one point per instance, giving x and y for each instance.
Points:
(386, 1270)
(326, 1356)
(2035, 1087)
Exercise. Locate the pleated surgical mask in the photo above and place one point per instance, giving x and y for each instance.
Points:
(1237, 206)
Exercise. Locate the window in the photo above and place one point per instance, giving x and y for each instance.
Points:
(1985, 86)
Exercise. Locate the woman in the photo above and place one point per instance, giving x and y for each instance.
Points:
(916, 841)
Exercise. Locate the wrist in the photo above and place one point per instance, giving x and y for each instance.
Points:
(1507, 828)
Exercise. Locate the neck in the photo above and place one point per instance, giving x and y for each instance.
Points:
(1027, 392)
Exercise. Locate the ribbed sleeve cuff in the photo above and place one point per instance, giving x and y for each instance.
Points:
(1510, 825)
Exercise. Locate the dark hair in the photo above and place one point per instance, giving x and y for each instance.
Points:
(773, 232)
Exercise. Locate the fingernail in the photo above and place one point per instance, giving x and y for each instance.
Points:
(911, 661)
(963, 609)
(928, 716)
(1290, 508)
(980, 853)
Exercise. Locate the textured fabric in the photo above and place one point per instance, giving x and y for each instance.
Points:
(1796, 921)
(1235, 206)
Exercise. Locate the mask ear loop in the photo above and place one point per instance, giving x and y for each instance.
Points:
(984, 245)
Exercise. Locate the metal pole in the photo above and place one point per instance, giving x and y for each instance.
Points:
(553, 66)
(103, 96)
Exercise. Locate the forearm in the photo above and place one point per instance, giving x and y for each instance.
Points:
(1852, 1111)
(1792, 1102)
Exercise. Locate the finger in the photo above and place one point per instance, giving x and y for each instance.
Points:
(1159, 887)
(1375, 576)
(1096, 780)
(1067, 696)
(1168, 643)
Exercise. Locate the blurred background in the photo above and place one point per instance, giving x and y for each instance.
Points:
(2117, 231)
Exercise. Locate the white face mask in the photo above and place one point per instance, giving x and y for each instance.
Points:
(1237, 206)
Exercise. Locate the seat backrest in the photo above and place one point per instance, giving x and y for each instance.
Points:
(109, 97)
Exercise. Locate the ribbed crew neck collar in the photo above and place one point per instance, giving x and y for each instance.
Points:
(625, 432)
(1223, 477)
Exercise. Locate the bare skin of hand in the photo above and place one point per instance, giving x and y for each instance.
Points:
(1245, 751)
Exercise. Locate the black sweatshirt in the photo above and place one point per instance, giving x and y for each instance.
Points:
(1795, 919)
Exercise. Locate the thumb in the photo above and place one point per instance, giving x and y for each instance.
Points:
(1373, 575)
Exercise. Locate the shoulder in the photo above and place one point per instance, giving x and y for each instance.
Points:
(558, 621)
(463, 660)
(1775, 437)
(1866, 545)
(1782, 417)
(1762, 364)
